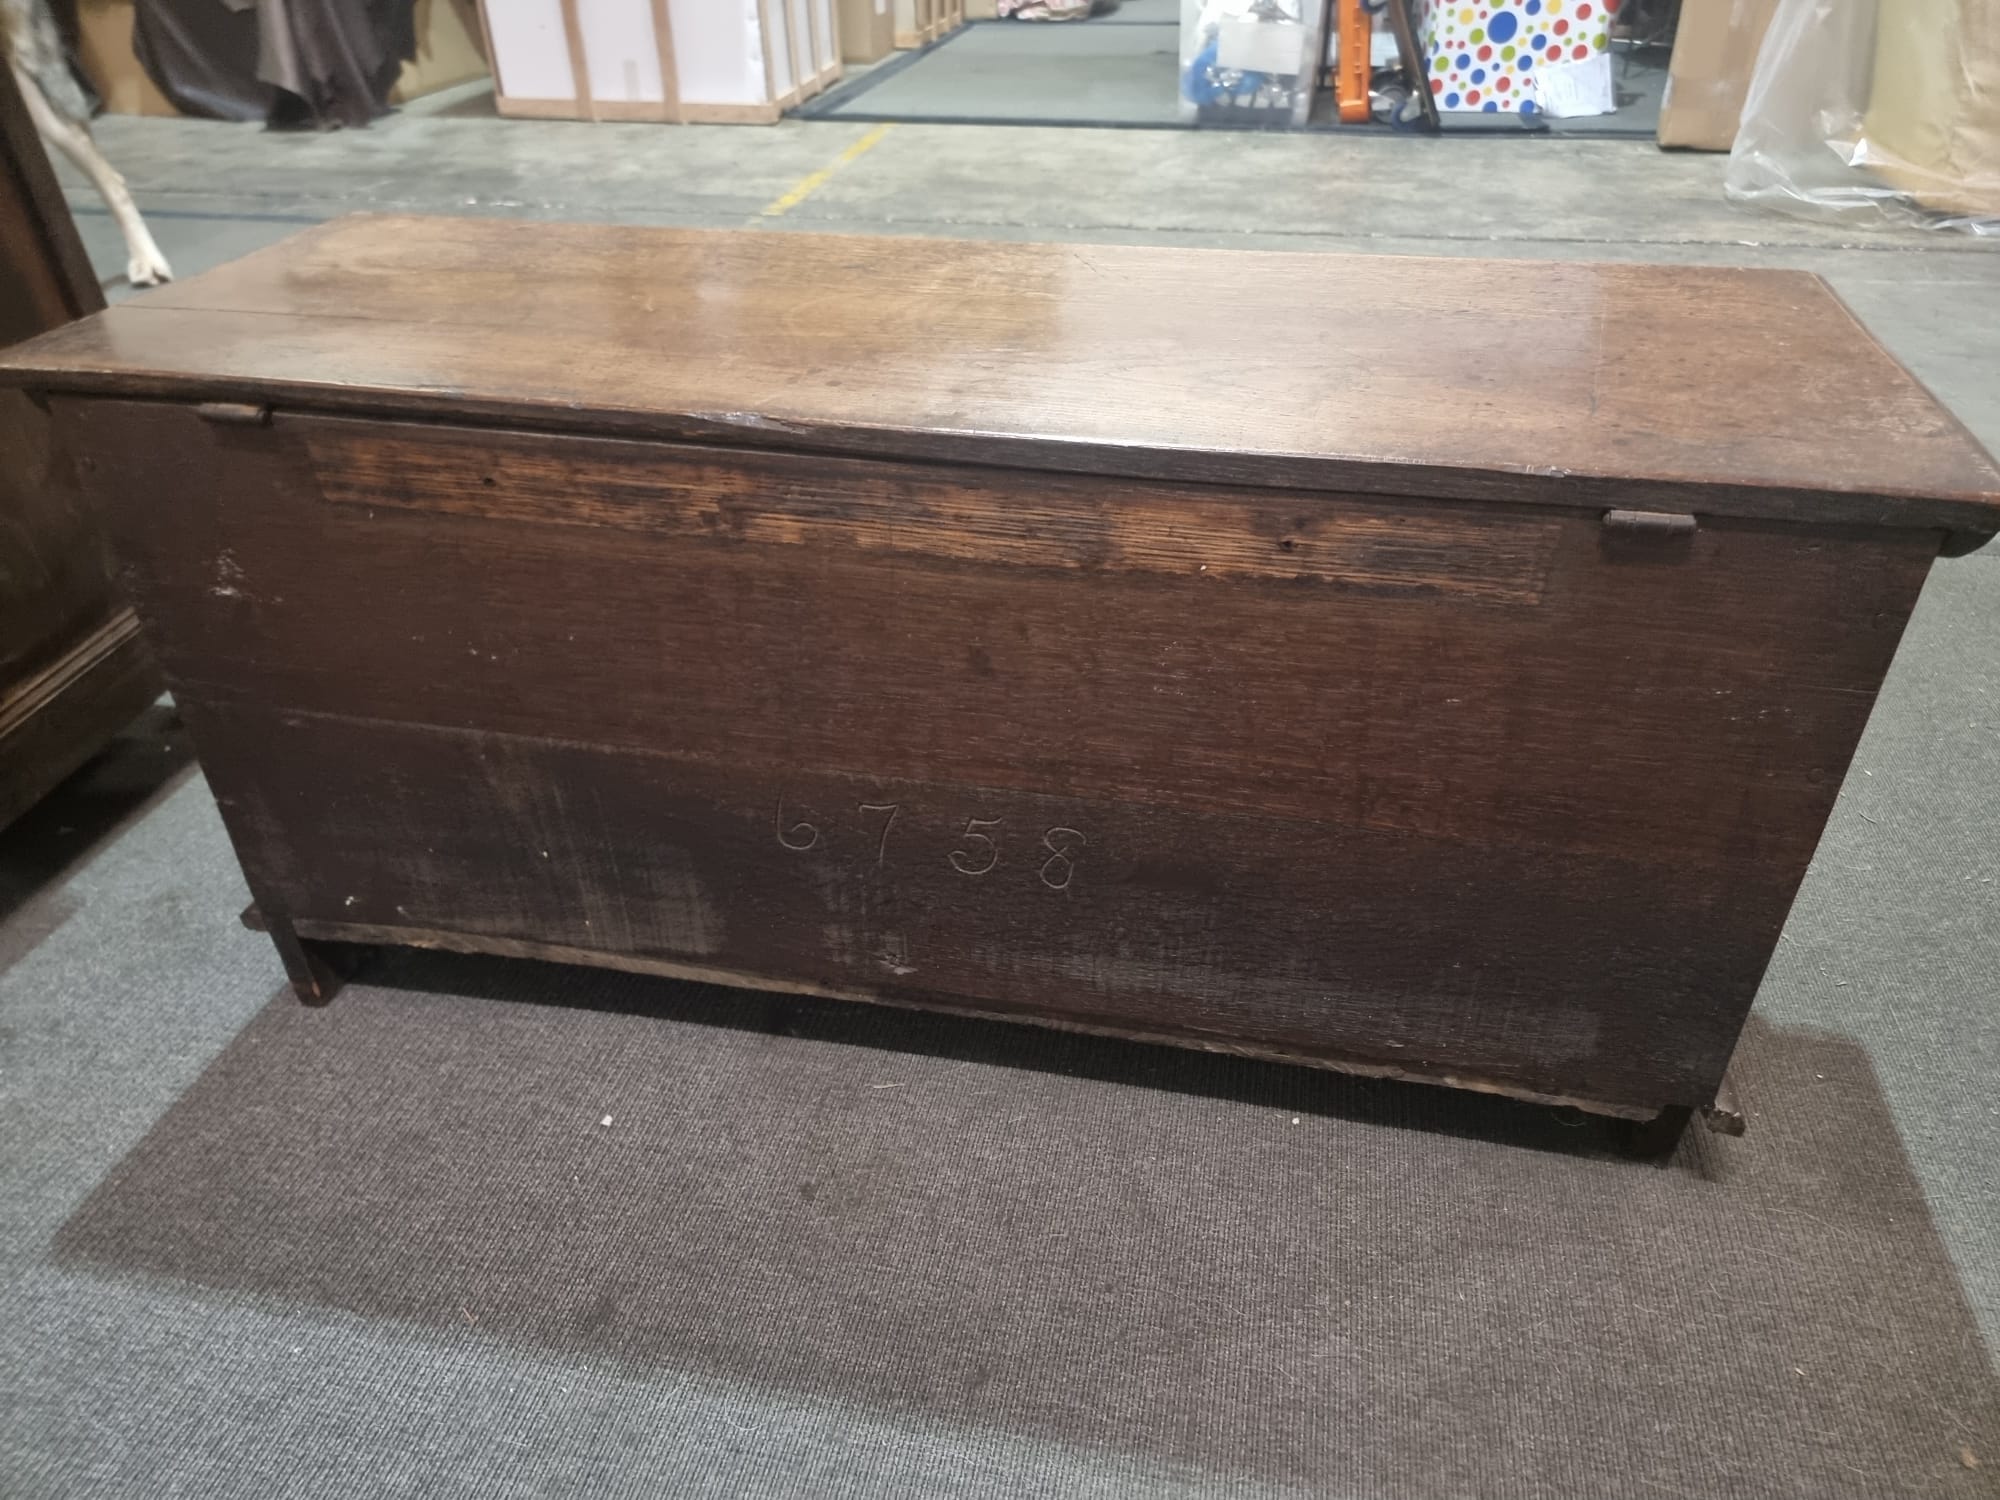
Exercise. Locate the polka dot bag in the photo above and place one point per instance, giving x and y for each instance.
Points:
(1494, 57)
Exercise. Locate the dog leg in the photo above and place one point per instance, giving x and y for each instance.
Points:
(146, 266)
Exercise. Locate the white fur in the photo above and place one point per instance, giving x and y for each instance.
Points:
(34, 51)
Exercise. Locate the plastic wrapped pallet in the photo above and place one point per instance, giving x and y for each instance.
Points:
(1870, 113)
(1249, 62)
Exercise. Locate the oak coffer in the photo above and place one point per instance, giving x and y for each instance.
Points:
(1084, 634)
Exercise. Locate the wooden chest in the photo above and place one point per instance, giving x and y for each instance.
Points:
(1083, 634)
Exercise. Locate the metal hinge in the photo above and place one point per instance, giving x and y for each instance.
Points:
(233, 413)
(1649, 522)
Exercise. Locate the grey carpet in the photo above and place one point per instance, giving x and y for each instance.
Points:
(392, 1247)
(1098, 72)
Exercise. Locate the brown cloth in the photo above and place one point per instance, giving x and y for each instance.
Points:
(202, 54)
(293, 63)
(336, 59)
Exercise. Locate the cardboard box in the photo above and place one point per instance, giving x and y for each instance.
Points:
(1715, 52)
(104, 47)
(921, 22)
(867, 30)
(450, 50)
(1933, 123)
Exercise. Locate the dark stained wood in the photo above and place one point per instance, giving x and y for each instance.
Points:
(360, 937)
(72, 669)
(985, 630)
(1722, 392)
(1270, 697)
(310, 971)
(1725, 1116)
(45, 277)
(52, 564)
(972, 515)
(1487, 795)
(55, 719)
(1264, 932)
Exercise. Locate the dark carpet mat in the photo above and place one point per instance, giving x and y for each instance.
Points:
(1288, 1281)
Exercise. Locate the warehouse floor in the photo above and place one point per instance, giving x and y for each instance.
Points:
(1122, 68)
(493, 1229)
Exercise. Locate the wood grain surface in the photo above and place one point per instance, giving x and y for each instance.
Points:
(1730, 392)
(54, 572)
(56, 719)
(71, 667)
(1064, 522)
(45, 276)
(1488, 794)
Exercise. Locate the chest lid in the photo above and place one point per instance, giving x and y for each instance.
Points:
(1673, 388)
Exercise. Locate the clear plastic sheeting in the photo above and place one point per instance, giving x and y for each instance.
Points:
(1248, 62)
(1875, 113)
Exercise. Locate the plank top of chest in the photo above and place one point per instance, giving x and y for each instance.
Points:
(1744, 392)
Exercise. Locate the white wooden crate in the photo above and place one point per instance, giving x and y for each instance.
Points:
(683, 61)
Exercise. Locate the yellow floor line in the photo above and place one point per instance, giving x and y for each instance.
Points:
(812, 182)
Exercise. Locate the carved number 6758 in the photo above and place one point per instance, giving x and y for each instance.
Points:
(978, 852)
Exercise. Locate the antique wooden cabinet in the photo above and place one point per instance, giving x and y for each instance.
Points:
(1057, 632)
(73, 670)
